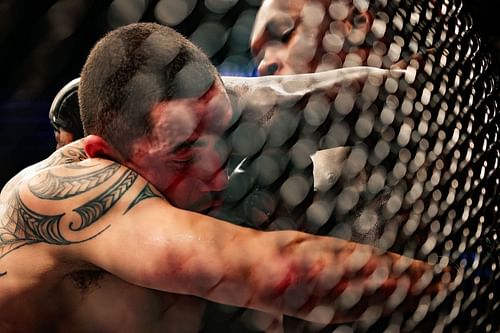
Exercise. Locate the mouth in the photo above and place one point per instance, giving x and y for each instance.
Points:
(218, 181)
(216, 199)
(208, 201)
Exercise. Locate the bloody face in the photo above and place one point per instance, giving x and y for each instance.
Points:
(305, 36)
(184, 155)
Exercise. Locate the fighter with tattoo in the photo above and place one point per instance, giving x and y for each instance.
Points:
(105, 243)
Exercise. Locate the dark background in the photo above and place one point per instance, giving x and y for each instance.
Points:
(44, 45)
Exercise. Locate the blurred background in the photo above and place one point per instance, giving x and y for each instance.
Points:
(44, 44)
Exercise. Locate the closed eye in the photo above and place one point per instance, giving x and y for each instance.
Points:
(281, 27)
(184, 151)
(286, 35)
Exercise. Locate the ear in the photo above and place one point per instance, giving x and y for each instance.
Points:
(95, 146)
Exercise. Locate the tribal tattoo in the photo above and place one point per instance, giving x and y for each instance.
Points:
(146, 192)
(68, 156)
(22, 225)
(52, 187)
(97, 207)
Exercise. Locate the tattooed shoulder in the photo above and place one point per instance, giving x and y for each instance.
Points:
(69, 155)
(63, 204)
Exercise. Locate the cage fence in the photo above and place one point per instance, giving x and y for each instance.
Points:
(414, 164)
(416, 160)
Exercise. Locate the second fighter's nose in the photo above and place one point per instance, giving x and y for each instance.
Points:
(268, 68)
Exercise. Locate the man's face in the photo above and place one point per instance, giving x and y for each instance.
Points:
(184, 156)
(305, 36)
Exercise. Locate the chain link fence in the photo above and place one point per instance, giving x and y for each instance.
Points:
(415, 154)
(420, 174)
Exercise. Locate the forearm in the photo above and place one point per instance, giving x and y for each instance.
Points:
(325, 279)
(257, 97)
(282, 272)
(286, 88)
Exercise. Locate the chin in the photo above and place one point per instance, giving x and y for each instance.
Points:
(195, 201)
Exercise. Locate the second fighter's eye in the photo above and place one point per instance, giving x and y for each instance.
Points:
(286, 35)
(281, 27)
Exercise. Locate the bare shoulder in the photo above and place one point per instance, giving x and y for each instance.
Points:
(62, 201)
(69, 154)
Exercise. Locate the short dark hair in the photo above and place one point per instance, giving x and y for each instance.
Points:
(130, 70)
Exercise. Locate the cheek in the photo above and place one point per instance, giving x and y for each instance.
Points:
(300, 56)
(154, 167)
(210, 160)
(284, 56)
(191, 194)
(196, 194)
(304, 47)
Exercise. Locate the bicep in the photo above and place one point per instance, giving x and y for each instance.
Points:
(156, 245)
(107, 215)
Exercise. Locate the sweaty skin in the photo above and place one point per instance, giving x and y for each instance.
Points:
(45, 287)
(110, 251)
(182, 146)
(79, 228)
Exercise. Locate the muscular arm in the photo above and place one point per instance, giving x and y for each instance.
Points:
(147, 242)
(285, 90)
(98, 212)
(157, 246)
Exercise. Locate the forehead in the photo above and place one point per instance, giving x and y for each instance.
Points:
(189, 107)
(179, 118)
(172, 122)
(272, 10)
(277, 14)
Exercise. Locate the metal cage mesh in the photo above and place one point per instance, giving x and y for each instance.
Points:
(420, 175)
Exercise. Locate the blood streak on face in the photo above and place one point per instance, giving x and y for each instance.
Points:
(179, 157)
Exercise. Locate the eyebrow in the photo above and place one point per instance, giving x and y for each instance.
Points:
(274, 28)
(193, 139)
(189, 143)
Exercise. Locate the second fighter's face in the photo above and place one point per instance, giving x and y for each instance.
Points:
(305, 36)
(184, 155)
